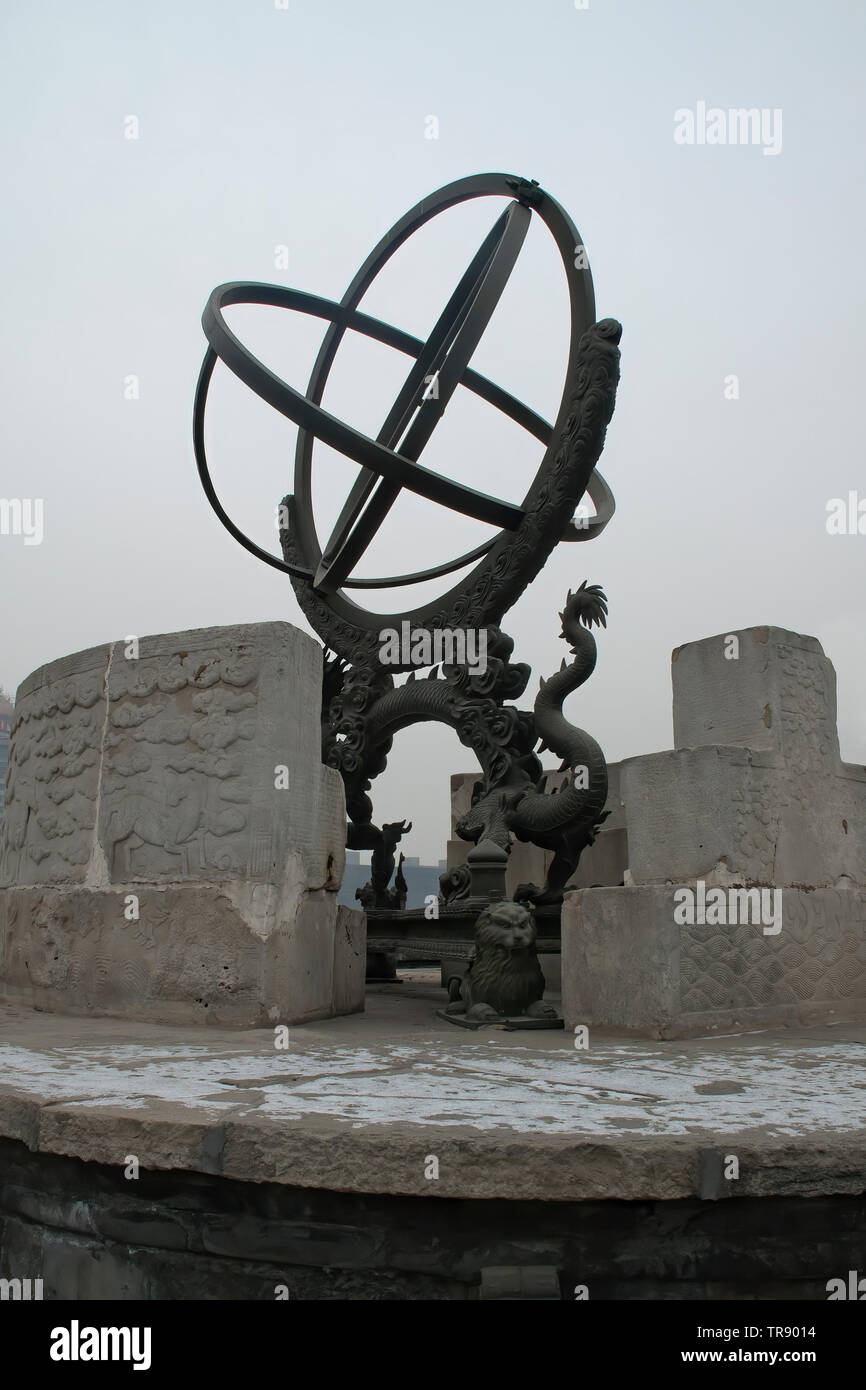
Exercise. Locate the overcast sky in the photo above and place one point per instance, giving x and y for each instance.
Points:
(307, 128)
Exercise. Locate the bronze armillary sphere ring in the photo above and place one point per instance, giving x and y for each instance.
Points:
(390, 462)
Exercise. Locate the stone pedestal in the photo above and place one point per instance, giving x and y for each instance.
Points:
(753, 797)
(629, 964)
(173, 847)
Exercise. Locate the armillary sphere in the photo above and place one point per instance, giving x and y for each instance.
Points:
(506, 562)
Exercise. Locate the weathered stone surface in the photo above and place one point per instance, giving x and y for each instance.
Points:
(350, 953)
(192, 956)
(359, 1104)
(88, 1234)
(761, 688)
(173, 846)
(756, 815)
(754, 794)
(626, 963)
(520, 1282)
(793, 812)
(175, 779)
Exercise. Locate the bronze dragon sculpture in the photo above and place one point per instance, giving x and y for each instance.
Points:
(363, 708)
(565, 821)
(510, 798)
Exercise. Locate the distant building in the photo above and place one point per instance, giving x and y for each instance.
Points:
(7, 712)
(422, 880)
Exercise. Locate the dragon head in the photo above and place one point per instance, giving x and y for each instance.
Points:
(587, 606)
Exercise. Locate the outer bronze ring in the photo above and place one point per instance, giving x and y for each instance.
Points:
(382, 466)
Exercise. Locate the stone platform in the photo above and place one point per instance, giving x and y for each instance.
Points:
(381, 1156)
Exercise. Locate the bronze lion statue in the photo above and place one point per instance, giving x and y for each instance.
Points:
(504, 977)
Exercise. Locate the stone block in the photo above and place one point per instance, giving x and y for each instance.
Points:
(627, 963)
(773, 690)
(462, 784)
(604, 863)
(551, 969)
(350, 955)
(173, 846)
(794, 812)
(520, 1282)
(457, 852)
(694, 808)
